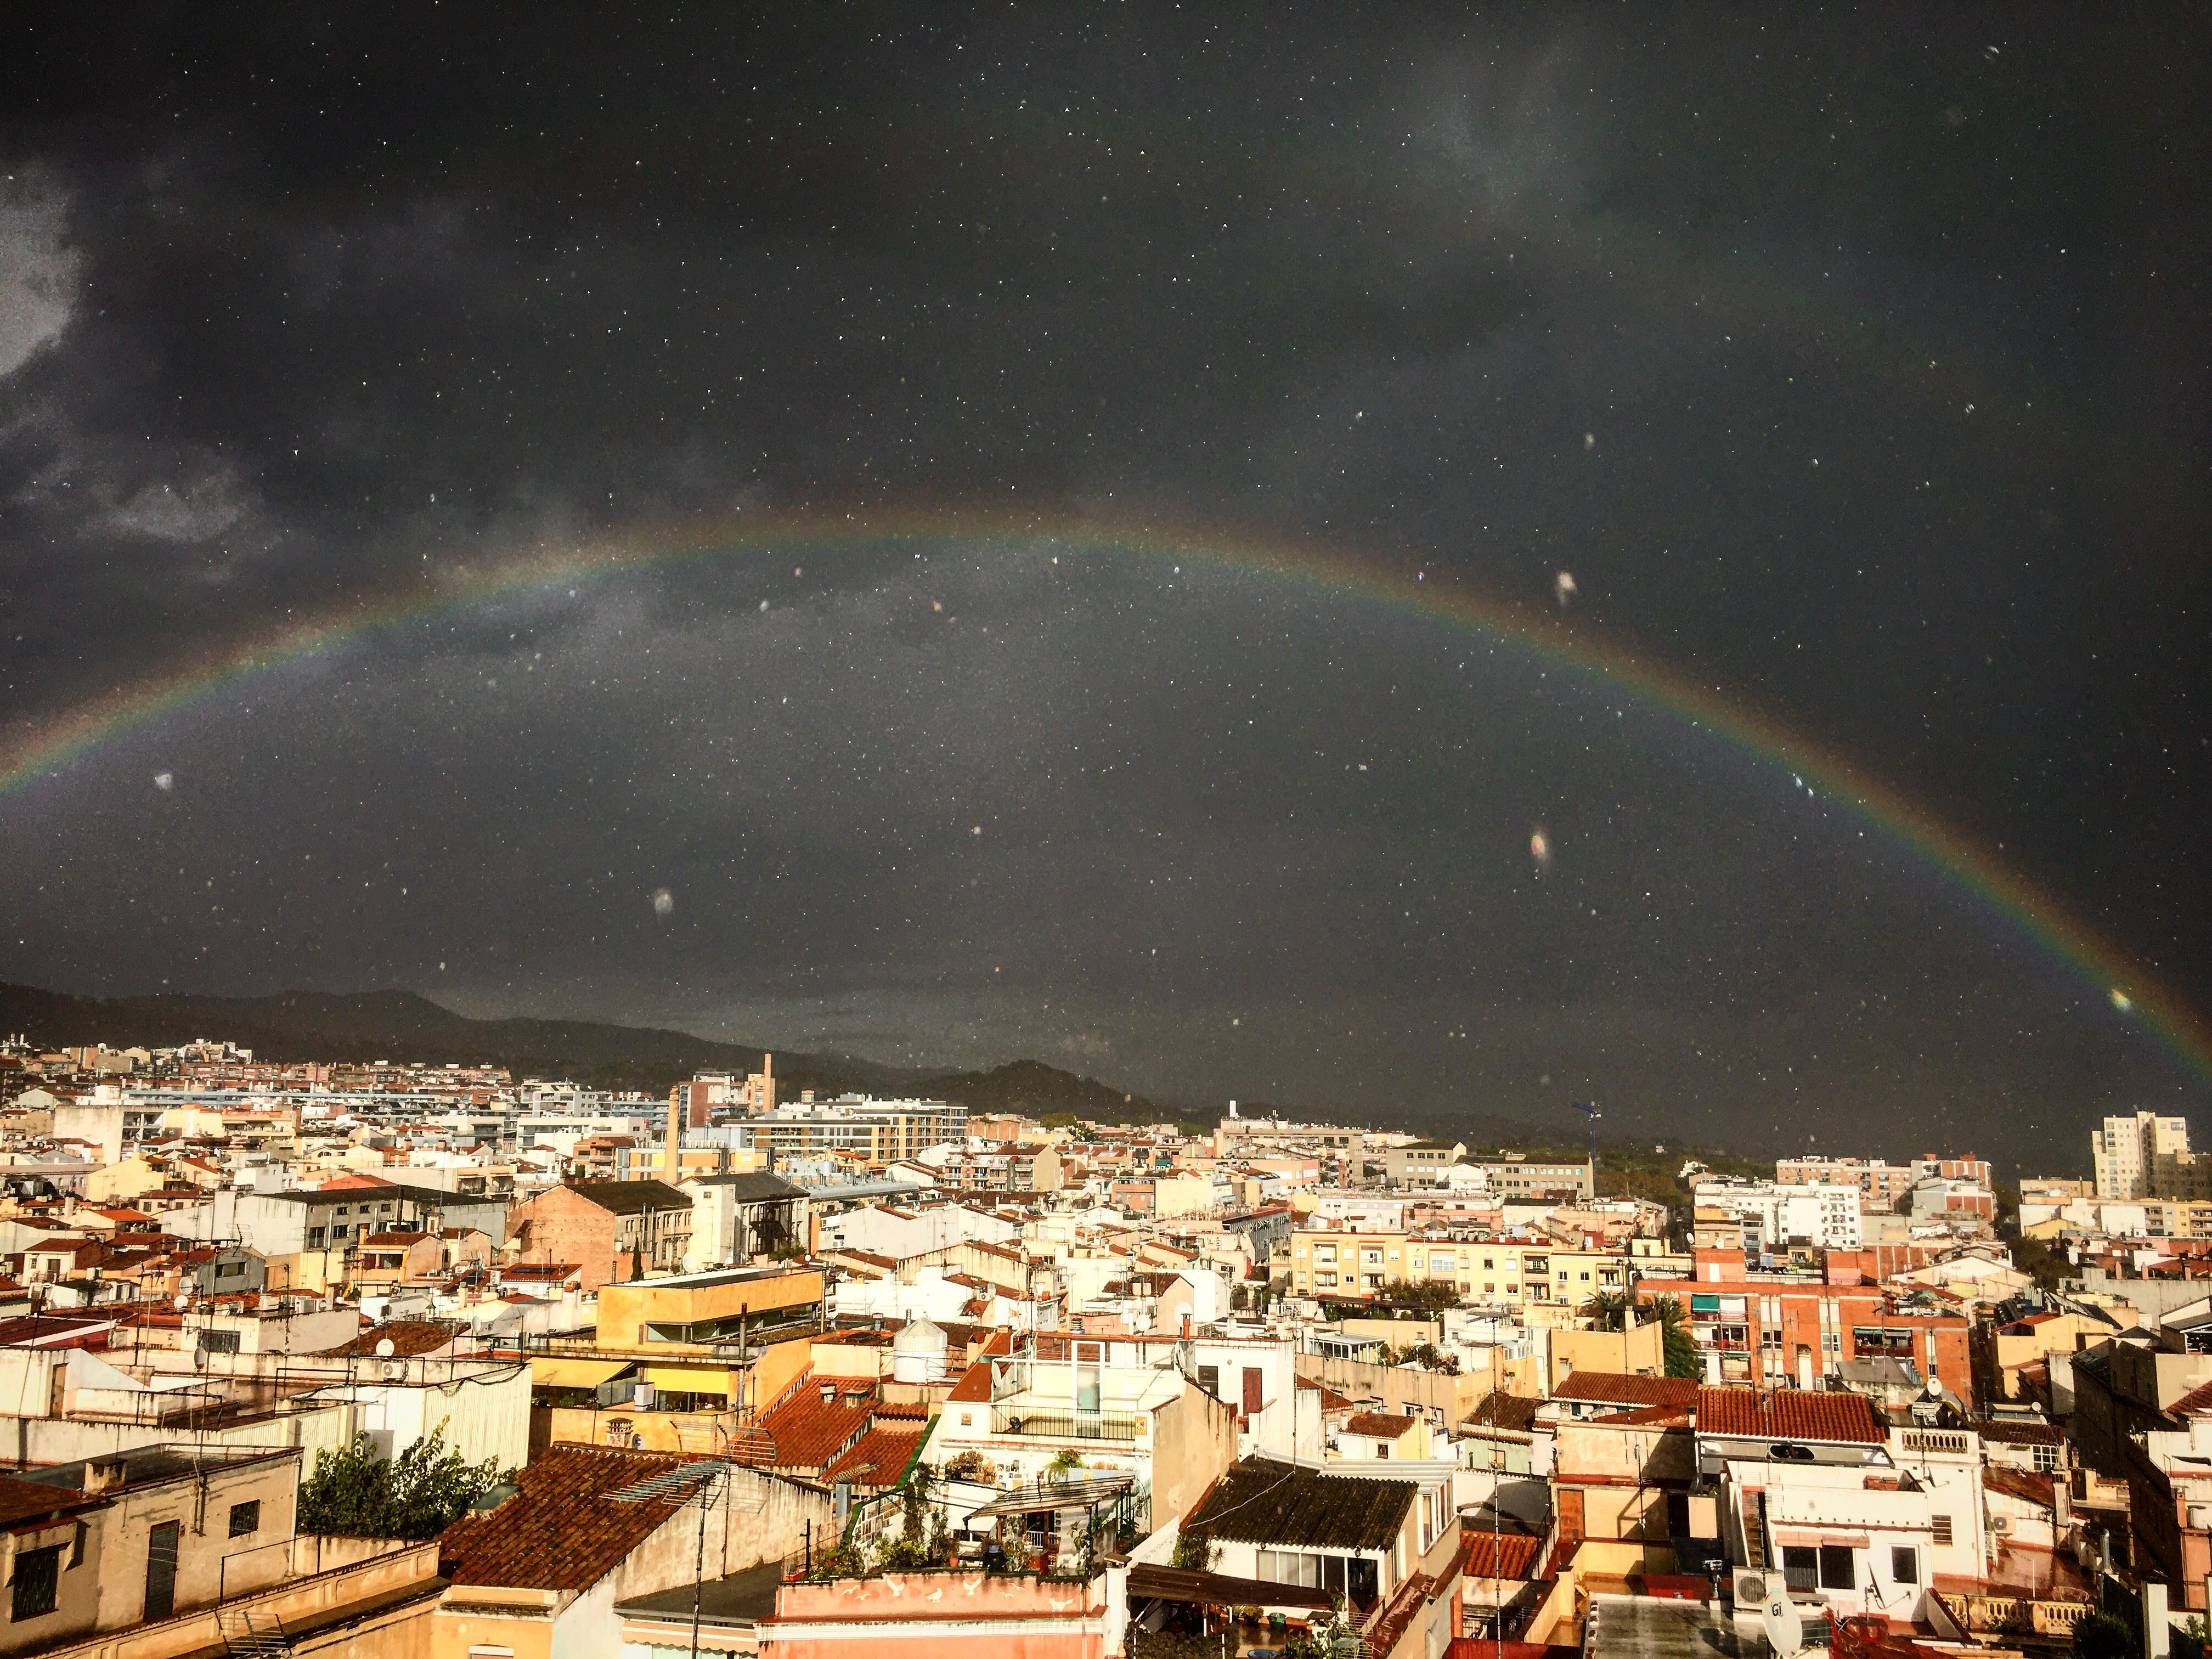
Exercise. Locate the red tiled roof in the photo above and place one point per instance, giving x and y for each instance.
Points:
(974, 1383)
(877, 1458)
(2197, 1402)
(563, 1530)
(2039, 1490)
(2009, 1433)
(809, 1434)
(1500, 1410)
(1390, 1624)
(1790, 1414)
(1646, 1417)
(407, 1337)
(1618, 1389)
(1500, 1555)
(22, 1500)
(1383, 1425)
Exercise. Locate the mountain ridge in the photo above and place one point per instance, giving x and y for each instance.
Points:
(405, 1026)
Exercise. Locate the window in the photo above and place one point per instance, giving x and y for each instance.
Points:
(219, 1341)
(2046, 1460)
(1800, 1566)
(245, 1518)
(1904, 1565)
(1382, 1451)
(1836, 1567)
(1209, 1380)
(37, 1573)
(1943, 1525)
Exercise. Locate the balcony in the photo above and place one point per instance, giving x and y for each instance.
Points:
(1061, 1425)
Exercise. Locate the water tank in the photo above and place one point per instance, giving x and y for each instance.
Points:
(918, 1352)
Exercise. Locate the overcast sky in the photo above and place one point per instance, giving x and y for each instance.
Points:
(1856, 372)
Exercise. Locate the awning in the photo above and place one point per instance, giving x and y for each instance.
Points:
(683, 1379)
(1217, 1590)
(1067, 1495)
(553, 1373)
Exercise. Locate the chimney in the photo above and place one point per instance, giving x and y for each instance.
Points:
(102, 1473)
(829, 1392)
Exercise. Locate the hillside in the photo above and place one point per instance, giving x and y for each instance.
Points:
(403, 1027)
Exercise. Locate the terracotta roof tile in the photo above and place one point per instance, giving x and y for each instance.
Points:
(407, 1337)
(2197, 1402)
(2005, 1433)
(1790, 1414)
(808, 1434)
(1500, 1555)
(1618, 1389)
(20, 1500)
(1383, 1425)
(974, 1383)
(877, 1459)
(563, 1530)
(1397, 1614)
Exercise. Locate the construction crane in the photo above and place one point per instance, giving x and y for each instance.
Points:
(1594, 1115)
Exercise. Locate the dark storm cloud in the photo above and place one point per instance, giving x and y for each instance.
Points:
(1844, 372)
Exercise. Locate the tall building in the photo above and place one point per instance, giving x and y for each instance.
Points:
(2127, 1150)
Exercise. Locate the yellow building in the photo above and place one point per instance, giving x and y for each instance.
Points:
(1545, 1284)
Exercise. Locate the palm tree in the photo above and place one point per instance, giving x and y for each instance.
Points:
(1681, 1348)
(1612, 1310)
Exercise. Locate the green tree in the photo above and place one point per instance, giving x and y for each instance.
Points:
(2100, 1636)
(1612, 1310)
(1425, 1296)
(1681, 1349)
(355, 1493)
(1194, 1552)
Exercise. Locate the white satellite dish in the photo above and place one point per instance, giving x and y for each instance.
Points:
(183, 1301)
(1785, 1627)
(385, 1348)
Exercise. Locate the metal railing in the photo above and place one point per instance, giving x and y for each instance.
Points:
(1061, 1425)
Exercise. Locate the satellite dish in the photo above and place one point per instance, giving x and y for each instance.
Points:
(385, 1348)
(183, 1301)
(1785, 1628)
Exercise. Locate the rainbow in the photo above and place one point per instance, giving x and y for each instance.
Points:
(44, 748)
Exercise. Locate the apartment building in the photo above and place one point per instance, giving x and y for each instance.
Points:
(1774, 1216)
(879, 1132)
(1797, 1327)
(1113, 1404)
(1513, 1175)
(1880, 1185)
(607, 1230)
(1542, 1281)
(2126, 1151)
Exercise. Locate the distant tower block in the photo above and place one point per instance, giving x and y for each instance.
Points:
(759, 1092)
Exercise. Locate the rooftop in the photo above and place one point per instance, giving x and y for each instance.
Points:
(1618, 1388)
(562, 1529)
(1790, 1414)
(1265, 1502)
(741, 1598)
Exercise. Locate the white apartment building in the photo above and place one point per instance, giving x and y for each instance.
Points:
(1826, 1217)
(2126, 1151)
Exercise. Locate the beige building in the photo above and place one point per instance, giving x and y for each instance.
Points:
(1543, 1283)
(2126, 1151)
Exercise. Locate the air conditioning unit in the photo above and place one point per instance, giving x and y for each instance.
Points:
(2000, 1523)
(1750, 1591)
(2200, 1518)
